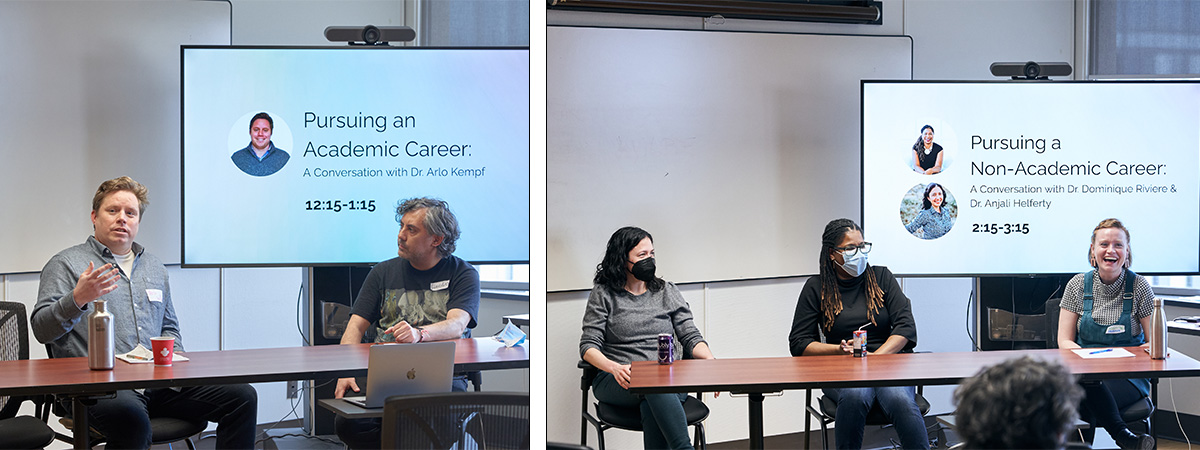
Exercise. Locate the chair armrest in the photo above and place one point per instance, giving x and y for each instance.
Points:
(589, 374)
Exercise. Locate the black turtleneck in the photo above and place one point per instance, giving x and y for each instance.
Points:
(893, 318)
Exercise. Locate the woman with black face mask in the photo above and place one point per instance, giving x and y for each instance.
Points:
(628, 308)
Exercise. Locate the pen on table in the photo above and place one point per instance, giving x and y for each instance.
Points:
(1100, 351)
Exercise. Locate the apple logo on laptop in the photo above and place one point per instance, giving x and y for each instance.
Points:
(412, 373)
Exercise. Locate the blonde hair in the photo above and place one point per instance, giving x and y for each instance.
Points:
(1111, 223)
(122, 184)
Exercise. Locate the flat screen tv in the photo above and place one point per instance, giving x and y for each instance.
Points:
(352, 132)
(1025, 170)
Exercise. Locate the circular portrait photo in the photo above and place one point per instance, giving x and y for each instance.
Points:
(928, 211)
(929, 155)
(268, 137)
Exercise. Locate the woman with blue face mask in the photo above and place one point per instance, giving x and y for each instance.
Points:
(851, 295)
(628, 308)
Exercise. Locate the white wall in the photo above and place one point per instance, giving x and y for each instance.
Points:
(698, 112)
(957, 40)
(952, 39)
(303, 22)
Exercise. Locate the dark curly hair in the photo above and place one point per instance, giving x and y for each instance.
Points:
(925, 203)
(831, 300)
(439, 221)
(611, 270)
(1019, 403)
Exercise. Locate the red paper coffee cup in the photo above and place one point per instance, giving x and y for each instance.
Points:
(164, 350)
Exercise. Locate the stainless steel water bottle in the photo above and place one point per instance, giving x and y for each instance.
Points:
(1158, 331)
(100, 338)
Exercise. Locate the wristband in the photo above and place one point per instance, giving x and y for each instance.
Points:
(421, 334)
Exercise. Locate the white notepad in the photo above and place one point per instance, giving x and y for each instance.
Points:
(1098, 353)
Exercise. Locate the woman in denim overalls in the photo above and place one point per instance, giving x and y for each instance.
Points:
(1108, 307)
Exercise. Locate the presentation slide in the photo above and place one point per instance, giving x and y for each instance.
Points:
(1010, 178)
(299, 156)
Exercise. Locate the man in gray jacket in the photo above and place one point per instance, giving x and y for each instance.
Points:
(133, 282)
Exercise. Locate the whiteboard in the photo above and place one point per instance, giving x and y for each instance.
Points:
(733, 149)
(91, 92)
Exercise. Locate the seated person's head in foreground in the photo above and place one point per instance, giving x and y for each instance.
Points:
(1018, 404)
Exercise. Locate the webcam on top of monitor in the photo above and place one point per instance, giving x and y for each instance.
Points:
(369, 35)
(1030, 70)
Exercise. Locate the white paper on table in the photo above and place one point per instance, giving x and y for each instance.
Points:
(141, 355)
(1089, 353)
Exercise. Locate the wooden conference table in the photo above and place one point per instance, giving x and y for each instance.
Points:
(71, 376)
(757, 376)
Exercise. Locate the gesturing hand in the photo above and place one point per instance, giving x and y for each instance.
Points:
(94, 283)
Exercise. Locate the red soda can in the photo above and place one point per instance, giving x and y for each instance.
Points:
(666, 348)
(860, 343)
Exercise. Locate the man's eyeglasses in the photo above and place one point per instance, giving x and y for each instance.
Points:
(851, 250)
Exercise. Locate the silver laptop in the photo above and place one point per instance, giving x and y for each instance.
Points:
(404, 369)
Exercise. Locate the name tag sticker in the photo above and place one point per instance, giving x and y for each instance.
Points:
(1115, 329)
(154, 294)
(439, 285)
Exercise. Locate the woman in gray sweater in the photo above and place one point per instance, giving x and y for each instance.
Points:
(628, 308)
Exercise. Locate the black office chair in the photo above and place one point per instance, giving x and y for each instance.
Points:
(826, 413)
(613, 416)
(1138, 412)
(455, 419)
(18, 432)
(163, 430)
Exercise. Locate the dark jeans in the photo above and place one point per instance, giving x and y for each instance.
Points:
(125, 419)
(899, 403)
(664, 424)
(367, 433)
(1103, 400)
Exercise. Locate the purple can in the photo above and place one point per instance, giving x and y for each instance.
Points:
(666, 348)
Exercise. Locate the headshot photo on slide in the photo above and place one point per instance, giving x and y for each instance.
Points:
(932, 152)
(258, 141)
(928, 211)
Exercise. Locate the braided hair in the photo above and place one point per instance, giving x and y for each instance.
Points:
(831, 301)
